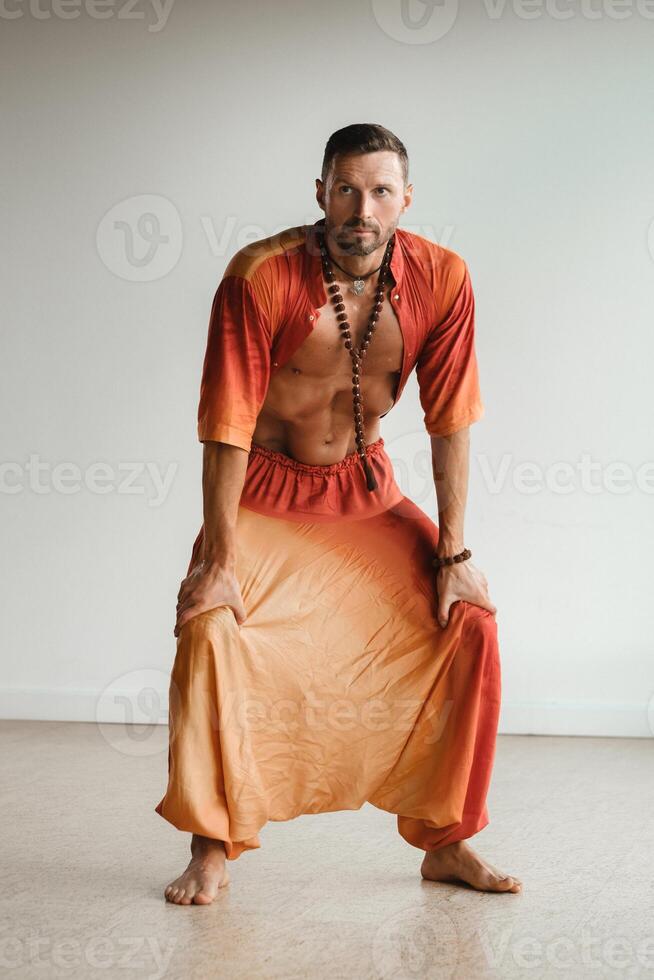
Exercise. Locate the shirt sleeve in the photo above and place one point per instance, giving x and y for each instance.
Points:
(236, 369)
(446, 368)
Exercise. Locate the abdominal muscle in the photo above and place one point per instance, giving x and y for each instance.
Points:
(312, 420)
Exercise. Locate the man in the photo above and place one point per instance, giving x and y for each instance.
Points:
(322, 659)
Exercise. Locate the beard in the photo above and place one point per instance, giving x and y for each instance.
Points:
(351, 244)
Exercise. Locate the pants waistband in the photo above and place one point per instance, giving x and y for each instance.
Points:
(322, 468)
(278, 485)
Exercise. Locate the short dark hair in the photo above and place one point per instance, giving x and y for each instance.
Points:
(364, 138)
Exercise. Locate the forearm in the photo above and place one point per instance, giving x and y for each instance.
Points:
(450, 465)
(223, 475)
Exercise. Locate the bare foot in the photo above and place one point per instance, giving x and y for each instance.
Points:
(458, 862)
(205, 874)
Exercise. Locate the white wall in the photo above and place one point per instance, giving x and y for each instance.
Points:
(531, 145)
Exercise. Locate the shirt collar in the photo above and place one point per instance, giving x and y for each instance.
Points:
(314, 262)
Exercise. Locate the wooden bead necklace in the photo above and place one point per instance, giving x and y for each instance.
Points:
(357, 354)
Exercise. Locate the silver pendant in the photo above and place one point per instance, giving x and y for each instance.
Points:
(358, 286)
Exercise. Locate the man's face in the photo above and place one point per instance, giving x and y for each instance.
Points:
(363, 191)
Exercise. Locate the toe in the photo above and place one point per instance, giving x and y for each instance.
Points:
(203, 898)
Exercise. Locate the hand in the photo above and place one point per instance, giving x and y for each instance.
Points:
(207, 586)
(461, 581)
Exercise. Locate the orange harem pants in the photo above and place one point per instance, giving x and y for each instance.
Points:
(340, 687)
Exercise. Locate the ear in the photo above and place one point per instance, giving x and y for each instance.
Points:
(408, 197)
(320, 193)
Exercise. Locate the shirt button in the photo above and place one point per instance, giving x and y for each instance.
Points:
(275, 364)
(397, 296)
(311, 316)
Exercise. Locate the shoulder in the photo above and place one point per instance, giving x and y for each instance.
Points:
(259, 258)
(267, 269)
(443, 270)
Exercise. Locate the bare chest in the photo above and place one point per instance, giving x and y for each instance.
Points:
(323, 353)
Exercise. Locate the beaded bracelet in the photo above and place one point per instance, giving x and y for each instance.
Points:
(455, 559)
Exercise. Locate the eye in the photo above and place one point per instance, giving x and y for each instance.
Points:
(382, 189)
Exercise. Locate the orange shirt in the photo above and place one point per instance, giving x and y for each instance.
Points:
(268, 302)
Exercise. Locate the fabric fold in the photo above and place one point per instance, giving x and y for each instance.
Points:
(340, 687)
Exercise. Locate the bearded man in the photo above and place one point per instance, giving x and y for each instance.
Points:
(334, 645)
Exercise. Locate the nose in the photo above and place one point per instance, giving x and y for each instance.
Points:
(362, 210)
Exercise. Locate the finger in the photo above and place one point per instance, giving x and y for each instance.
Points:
(189, 600)
(195, 610)
(239, 613)
(488, 603)
(189, 613)
(485, 603)
(185, 614)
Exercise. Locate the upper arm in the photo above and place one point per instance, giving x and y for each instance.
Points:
(236, 369)
(446, 369)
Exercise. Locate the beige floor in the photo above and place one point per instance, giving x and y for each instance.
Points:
(85, 860)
